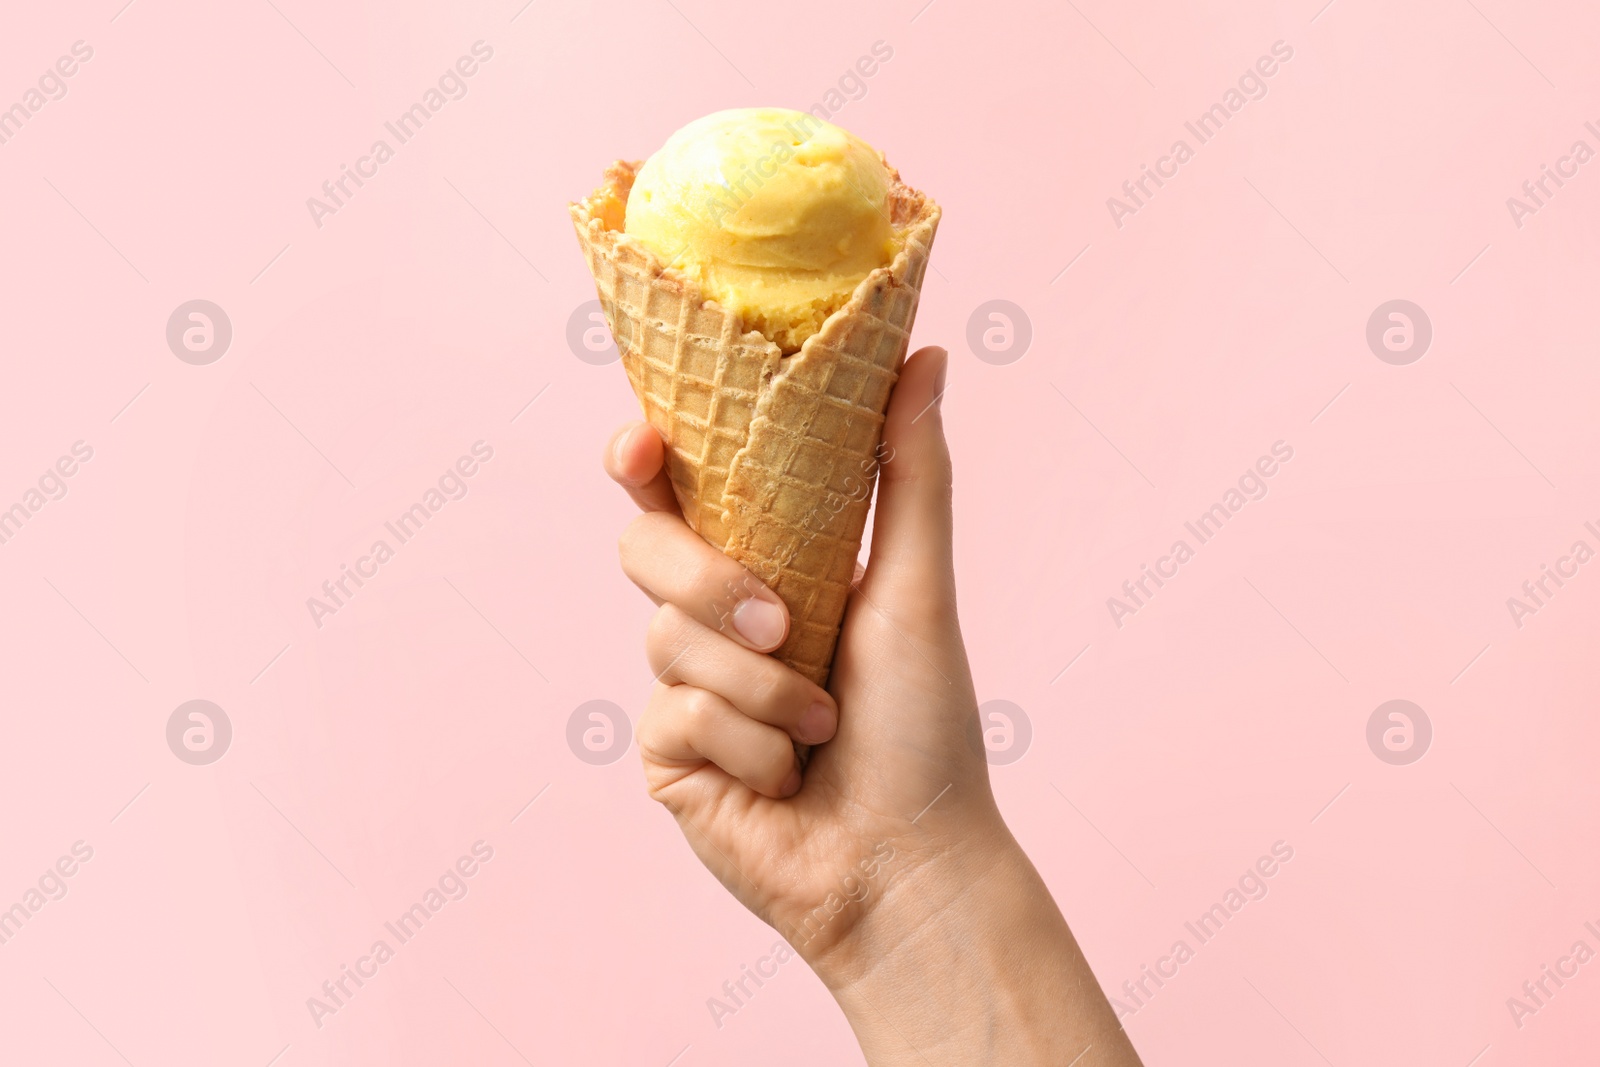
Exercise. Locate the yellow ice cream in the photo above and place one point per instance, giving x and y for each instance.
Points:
(775, 214)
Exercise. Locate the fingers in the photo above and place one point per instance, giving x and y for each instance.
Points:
(673, 564)
(684, 724)
(636, 460)
(682, 650)
(912, 529)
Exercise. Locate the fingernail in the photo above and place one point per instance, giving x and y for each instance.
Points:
(816, 724)
(759, 621)
(791, 784)
(938, 379)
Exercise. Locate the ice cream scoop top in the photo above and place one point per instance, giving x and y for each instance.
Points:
(774, 214)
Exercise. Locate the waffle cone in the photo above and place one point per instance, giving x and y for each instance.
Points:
(773, 458)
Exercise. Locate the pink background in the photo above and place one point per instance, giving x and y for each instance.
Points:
(370, 353)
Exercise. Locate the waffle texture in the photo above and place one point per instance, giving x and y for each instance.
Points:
(773, 458)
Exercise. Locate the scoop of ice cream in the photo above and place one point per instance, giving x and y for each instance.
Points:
(775, 214)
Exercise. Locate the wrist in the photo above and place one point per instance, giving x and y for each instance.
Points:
(966, 959)
(925, 879)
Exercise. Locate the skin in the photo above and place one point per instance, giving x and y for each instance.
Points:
(886, 864)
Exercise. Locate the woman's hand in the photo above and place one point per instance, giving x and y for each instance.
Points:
(889, 843)
(716, 737)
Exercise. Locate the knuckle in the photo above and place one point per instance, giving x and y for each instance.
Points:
(709, 579)
(651, 727)
(668, 633)
(628, 540)
(779, 690)
(659, 730)
(699, 710)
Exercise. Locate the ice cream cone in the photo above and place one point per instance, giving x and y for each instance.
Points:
(773, 458)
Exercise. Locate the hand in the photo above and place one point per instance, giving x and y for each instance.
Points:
(891, 834)
(716, 737)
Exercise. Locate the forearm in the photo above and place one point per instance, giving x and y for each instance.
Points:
(969, 961)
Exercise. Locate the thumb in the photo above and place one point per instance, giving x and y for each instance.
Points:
(910, 560)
